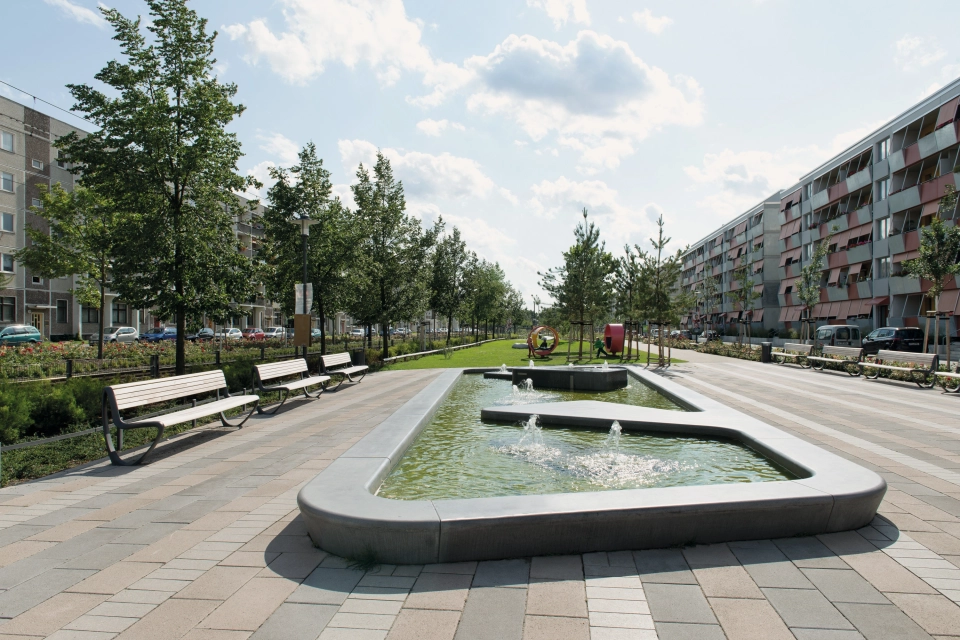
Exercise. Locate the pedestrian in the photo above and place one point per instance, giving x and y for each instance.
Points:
(530, 352)
(598, 344)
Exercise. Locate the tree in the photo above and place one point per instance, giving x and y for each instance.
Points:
(664, 300)
(391, 281)
(486, 288)
(743, 296)
(628, 284)
(161, 152)
(937, 259)
(808, 284)
(448, 287)
(583, 285)
(80, 237)
(305, 190)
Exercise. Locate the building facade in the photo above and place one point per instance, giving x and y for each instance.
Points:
(871, 201)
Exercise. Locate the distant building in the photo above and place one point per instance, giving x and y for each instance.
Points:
(876, 195)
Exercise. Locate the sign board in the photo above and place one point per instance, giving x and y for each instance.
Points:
(301, 329)
(298, 301)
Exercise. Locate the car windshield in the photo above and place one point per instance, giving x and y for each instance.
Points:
(155, 330)
(111, 329)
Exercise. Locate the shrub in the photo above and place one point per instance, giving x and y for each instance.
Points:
(55, 411)
(14, 415)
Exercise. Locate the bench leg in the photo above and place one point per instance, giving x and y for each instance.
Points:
(227, 423)
(947, 389)
(868, 376)
(316, 394)
(115, 455)
(804, 363)
(262, 411)
(853, 370)
(920, 377)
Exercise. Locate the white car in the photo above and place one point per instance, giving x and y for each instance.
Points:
(117, 334)
(230, 334)
(357, 332)
(274, 332)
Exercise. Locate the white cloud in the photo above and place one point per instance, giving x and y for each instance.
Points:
(646, 20)
(377, 33)
(594, 93)
(564, 200)
(737, 180)
(284, 152)
(563, 11)
(433, 127)
(425, 176)
(79, 13)
(915, 52)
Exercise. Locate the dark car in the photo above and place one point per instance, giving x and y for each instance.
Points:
(204, 335)
(159, 334)
(893, 339)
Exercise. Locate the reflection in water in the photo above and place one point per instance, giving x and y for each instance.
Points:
(459, 456)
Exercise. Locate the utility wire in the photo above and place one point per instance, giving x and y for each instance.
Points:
(35, 98)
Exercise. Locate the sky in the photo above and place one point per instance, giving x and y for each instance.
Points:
(508, 117)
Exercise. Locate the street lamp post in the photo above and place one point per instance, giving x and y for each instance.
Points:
(304, 223)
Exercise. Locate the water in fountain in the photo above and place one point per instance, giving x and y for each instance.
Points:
(605, 366)
(532, 433)
(612, 443)
(527, 384)
(503, 368)
(530, 363)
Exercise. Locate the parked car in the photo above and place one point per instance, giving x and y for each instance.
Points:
(315, 333)
(159, 334)
(356, 332)
(204, 335)
(681, 334)
(20, 334)
(230, 334)
(253, 333)
(839, 335)
(275, 333)
(116, 334)
(893, 339)
(709, 335)
(399, 332)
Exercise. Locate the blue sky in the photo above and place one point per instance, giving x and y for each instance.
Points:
(509, 116)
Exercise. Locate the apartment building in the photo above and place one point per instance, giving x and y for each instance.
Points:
(871, 202)
(28, 159)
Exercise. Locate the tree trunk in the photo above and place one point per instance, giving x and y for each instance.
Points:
(449, 328)
(181, 340)
(103, 299)
(323, 327)
(385, 350)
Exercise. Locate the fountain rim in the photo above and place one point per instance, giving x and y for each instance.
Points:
(345, 517)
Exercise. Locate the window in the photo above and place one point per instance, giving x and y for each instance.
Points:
(37, 280)
(6, 222)
(883, 228)
(883, 149)
(119, 313)
(6, 141)
(6, 182)
(883, 189)
(60, 163)
(37, 203)
(37, 164)
(809, 191)
(90, 315)
(8, 309)
(61, 311)
(6, 262)
(883, 268)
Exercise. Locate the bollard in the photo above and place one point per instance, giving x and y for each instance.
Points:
(262, 355)
(766, 351)
(69, 368)
(218, 357)
(155, 366)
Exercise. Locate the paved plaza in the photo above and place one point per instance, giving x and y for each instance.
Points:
(205, 542)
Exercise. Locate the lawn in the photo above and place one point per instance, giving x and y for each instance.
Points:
(493, 354)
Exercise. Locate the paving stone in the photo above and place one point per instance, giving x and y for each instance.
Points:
(936, 614)
(686, 631)
(557, 568)
(767, 565)
(502, 573)
(293, 566)
(557, 598)
(621, 620)
(616, 633)
(493, 613)
(418, 624)
(295, 622)
(114, 578)
(744, 619)
(451, 567)
(362, 621)
(29, 594)
(826, 634)
(881, 622)
(809, 553)
(678, 603)
(352, 634)
(251, 605)
(50, 615)
(219, 583)
(171, 619)
(439, 591)
(617, 606)
(550, 628)
(326, 586)
(663, 565)
(364, 605)
(806, 608)
(844, 586)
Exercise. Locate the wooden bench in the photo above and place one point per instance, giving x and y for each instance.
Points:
(949, 375)
(339, 364)
(797, 352)
(918, 365)
(843, 355)
(278, 370)
(119, 397)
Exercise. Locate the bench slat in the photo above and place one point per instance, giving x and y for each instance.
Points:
(334, 359)
(278, 369)
(136, 394)
(300, 384)
(193, 413)
(907, 357)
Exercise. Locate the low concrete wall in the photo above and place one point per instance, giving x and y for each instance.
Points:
(344, 516)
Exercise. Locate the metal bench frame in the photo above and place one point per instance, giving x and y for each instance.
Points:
(803, 352)
(950, 375)
(845, 355)
(277, 370)
(342, 367)
(905, 357)
(146, 392)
